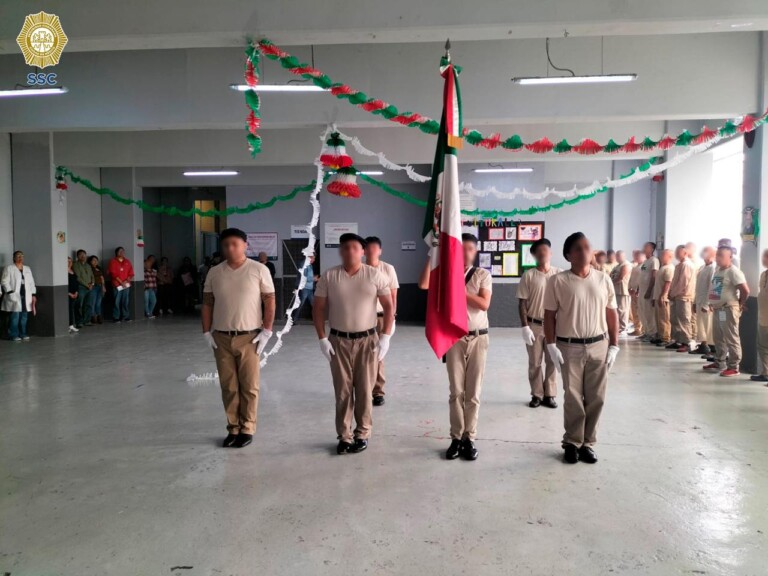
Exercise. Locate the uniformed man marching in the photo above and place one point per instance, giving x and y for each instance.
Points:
(373, 258)
(466, 358)
(530, 294)
(347, 294)
(581, 327)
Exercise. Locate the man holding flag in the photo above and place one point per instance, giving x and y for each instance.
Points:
(459, 294)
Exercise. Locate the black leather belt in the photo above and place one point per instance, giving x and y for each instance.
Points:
(353, 335)
(380, 314)
(480, 332)
(582, 340)
(535, 321)
(238, 332)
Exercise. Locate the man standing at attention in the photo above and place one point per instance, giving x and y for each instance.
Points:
(530, 294)
(701, 303)
(648, 271)
(582, 332)
(762, 324)
(373, 258)
(661, 300)
(620, 278)
(19, 296)
(682, 292)
(728, 293)
(264, 259)
(466, 358)
(348, 293)
(233, 326)
(634, 290)
(121, 275)
(85, 281)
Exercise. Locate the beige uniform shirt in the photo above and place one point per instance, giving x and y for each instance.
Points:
(634, 277)
(723, 288)
(684, 281)
(646, 269)
(620, 286)
(580, 303)
(703, 280)
(762, 300)
(478, 319)
(237, 294)
(666, 273)
(352, 299)
(532, 286)
(608, 268)
(390, 274)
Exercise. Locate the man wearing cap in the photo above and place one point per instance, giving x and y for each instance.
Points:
(582, 332)
(530, 295)
(620, 278)
(466, 359)
(648, 270)
(347, 294)
(234, 328)
(634, 290)
(373, 258)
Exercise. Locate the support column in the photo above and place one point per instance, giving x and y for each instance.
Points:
(39, 220)
(6, 201)
(121, 224)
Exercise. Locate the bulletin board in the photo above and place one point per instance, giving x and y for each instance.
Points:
(504, 246)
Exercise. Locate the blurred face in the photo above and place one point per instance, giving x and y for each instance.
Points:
(620, 257)
(312, 259)
(648, 250)
(681, 254)
(151, 261)
(600, 258)
(708, 254)
(612, 257)
(690, 250)
(372, 251)
(470, 251)
(232, 248)
(164, 261)
(81, 256)
(580, 254)
(351, 253)
(94, 262)
(19, 258)
(121, 253)
(666, 257)
(543, 255)
(262, 256)
(723, 258)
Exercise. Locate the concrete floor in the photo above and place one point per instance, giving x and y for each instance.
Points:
(109, 464)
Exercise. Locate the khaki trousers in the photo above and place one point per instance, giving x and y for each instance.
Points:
(623, 302)
(681, 321)
(704, 326)
(635, 315)
(727, 341)
(543, 383)
(466, 366)
(663, 323)
(378, 386)
(238, 366)
(762, 348)
(353, 368)
(585, 378)
(648, 315)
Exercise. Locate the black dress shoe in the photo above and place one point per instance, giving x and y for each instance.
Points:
(586, 454)
(656, 341)
(758, 378)
(454, 450)
(468, 450)
(571, 455)
(343, 447)
(549, 402)
(243, 440)
(672, 346)
(229, 440)
(700, 349)
(378, 400)
(359, 445)
(535, 402)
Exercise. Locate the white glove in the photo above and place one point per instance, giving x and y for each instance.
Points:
(610, 358)
(326, 349)
(261, 340)
(555, 355)
(393, 328)
(209, 340)
(528, 336)
(383, 345)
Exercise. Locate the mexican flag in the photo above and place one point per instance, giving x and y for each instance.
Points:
(446, 299)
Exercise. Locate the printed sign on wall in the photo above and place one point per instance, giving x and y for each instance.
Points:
(334, 230)
(262, 242)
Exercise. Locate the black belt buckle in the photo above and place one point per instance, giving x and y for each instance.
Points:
(238, 332)
(476, 333)
(380, 314)
(353, 335)
(582, 341)
(535, 321)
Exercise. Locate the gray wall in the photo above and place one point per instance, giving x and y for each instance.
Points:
(84, 214)
(6, 201)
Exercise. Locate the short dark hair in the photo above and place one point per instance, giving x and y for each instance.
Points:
(653, 244)
(17, 253)
(233, 232)
(351, 237)
(373, 240)
(539, 242)
(570, 241)
(90, 259)
(117, 250)
(610, 251)
(467, 237)
(81, 251)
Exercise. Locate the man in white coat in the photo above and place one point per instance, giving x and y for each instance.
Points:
(19, 296)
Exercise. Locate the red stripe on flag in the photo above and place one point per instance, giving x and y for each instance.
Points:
(447, 297)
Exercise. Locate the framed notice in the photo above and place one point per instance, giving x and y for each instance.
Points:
(334, 230)
(504, 247)
(262, 242)
(528, 261)
(510, 264)
(530, 232)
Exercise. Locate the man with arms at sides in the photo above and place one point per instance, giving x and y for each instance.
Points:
(582, 331)
(682, 292)
(704, 314)
(634, 290)
(648, 270)
(530, 295)
(661, 299)
(264, 259)
(348, 294)
(373, 258)
(85, 281)
(19, 296)
(234, 328)
(762, 324)
(620, 278)
(728, 293)
(466, 358)
(121, 275)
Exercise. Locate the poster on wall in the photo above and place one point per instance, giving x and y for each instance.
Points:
(262, 242)
(334, 230)
(299, 231)
(510, 264)
(530, 232)
(504, 246)
(528, 261)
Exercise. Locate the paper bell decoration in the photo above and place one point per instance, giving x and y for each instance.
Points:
(345, 183)
(61, 184)
(335, 153)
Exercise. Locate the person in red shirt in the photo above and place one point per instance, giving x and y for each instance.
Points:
(121, 274)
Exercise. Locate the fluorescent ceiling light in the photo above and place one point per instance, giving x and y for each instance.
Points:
(499, 170)
(211, 173)
(597, 79)
(32, 92)
(372, 172)
(277, 88)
